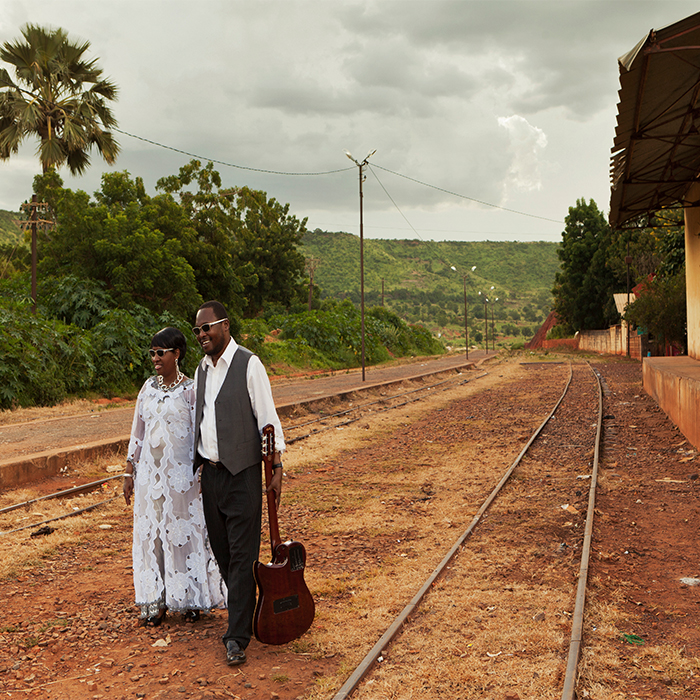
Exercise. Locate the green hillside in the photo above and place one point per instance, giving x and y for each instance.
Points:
(420, 284)
(10, 233)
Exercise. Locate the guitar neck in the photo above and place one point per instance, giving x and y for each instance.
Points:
(268, 459)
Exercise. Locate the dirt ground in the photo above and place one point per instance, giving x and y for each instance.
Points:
(377, 505)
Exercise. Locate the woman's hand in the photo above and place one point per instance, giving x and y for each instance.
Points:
(128, 488)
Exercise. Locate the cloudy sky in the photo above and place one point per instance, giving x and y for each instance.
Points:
(489, 117)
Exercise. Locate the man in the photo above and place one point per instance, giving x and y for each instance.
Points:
(234, 403)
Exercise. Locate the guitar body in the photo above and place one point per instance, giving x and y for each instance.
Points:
(285, 607)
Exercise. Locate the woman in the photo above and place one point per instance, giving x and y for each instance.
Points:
(173, 565)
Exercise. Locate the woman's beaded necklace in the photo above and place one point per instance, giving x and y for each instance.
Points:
(167, 387)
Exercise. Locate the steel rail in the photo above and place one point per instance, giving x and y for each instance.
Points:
(356, 677)
(58, 494)
(381, 400)
(580, 604)
(93, 484)
(61, 517)
(359, 407)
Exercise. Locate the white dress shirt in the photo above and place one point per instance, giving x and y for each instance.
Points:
(260, 394)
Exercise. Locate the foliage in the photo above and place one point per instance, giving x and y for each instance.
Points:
(57, 95)
(560, 330)
(583, 290)
(112, 242)
(75, 301)
(671, 242)
(336, 332)
(266, 239)
(10, 232)
(43, 360)
(660, 308)
(210, 213)
(416, 279)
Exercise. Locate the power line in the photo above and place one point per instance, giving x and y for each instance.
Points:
(471, 199)
(333, 172)
(229, 165)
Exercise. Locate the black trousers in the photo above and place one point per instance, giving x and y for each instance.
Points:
(233, 511)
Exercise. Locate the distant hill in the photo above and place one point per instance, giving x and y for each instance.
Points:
(10, 233)
(420, 284)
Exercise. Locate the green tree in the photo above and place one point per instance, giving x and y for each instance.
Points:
(57, 95)
(660, 309)
(267, 238)
(583, 289)
(211, 213)
(113, 242)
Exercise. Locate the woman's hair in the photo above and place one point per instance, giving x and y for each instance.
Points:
(170, 338)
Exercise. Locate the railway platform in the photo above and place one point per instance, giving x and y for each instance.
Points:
(40, 448)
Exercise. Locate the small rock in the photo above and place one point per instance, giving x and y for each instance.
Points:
(539, 617)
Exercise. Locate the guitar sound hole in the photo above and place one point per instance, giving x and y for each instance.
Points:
(284, 604)
(296, 558)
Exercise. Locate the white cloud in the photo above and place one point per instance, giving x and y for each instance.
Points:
(527, 142)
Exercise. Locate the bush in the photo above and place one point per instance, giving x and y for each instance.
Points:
(43, 360)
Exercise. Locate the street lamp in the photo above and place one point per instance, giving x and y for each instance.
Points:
(486, 322)
(493, 325)
(361, 167)
(466, 309)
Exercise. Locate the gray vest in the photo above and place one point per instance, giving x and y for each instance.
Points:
(237, 431)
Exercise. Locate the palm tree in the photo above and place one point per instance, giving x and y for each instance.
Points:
(57, 95)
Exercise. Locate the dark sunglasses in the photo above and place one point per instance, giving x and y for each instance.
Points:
(204, 328)
(160, 351)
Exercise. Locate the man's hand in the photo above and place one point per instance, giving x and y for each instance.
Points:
(276, 486)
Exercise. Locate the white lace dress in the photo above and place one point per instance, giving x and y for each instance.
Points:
(173, 563)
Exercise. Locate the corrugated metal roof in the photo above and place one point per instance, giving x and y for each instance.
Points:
(656, 152)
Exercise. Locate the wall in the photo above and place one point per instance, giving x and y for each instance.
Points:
(692, 270)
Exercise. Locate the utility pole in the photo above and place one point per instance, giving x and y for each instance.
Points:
(361, 166)
(466, 309)
(486, 322)
(33, 222)
(311, 265)
(382, 291)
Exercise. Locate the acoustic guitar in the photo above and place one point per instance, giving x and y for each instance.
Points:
(285, 607)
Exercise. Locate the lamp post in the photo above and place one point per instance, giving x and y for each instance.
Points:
(493, 326)
(466, 310)
(361, 166)
(486, 322)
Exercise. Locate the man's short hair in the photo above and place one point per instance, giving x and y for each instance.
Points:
(217, 307)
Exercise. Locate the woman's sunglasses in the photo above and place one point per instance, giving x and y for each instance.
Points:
(204, 328)
(160, 351)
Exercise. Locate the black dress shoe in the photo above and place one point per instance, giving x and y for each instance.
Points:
(235, 654)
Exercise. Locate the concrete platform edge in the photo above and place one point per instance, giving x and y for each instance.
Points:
(43, 465)
(674, 383)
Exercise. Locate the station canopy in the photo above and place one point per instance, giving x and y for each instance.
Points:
(656, 152)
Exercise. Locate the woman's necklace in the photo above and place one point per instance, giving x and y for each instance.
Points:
(167, 387)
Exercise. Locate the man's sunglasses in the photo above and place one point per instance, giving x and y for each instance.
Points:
(160, 351)
(204, 328)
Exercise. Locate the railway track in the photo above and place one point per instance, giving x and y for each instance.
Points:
(533, 464)
(295, 431)
(500, 601)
